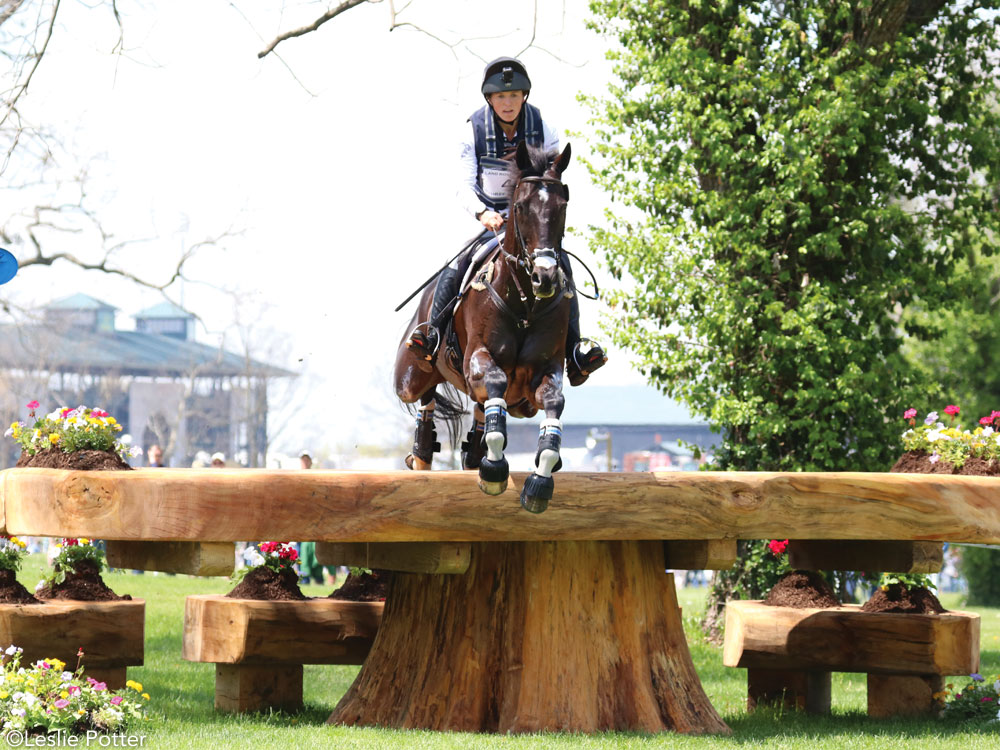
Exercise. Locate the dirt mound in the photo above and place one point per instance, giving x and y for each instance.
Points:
(903, 600)
(83, 584)
(53, 458)
(368, 587)
(12, 592)
(801, 589)
(918, 462)
(265, 584)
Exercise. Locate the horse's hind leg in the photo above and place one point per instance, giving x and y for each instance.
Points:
(425, 443)
(538, 487)
(474, 447)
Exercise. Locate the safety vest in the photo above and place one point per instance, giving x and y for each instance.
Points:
(494, 178)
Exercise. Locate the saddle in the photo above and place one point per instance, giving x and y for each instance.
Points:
(479, 256)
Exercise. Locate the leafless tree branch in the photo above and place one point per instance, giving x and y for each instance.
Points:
(19, 89)
(328, 16)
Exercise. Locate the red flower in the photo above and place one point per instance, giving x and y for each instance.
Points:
(909, 414)
(951, 410)
(985, 420)
(777, 547)
(33, 405)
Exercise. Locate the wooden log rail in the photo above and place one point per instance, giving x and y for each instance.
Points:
(564, 621)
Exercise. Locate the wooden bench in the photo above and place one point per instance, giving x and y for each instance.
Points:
(563, 621)
(259, 647)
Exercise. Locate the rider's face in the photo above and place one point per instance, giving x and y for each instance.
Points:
(507, 104)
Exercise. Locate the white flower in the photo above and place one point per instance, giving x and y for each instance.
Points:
(12, 649)
(931, 418)
(18, 711)
(934, 435)
(67, 676)
(9, 432)
(134, 451)
(907, 434)
(934, 458)
(988, 431)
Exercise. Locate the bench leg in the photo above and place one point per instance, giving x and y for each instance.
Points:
(114, 678)
(241, 688)
(902, 695)
(794, 689)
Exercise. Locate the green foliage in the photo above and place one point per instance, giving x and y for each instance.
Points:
(978, 701)
(12, 552)
(910, 580)
(759, 569)
(69, 430)
(788, 178)
(981, 569)
(71, 553)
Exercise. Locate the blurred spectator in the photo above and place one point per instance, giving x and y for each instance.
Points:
(155, 456)
(218, 460)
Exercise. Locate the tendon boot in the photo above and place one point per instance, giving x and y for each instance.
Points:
(583, 356)
(425, 340)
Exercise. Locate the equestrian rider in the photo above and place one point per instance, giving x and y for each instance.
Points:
(496, 130)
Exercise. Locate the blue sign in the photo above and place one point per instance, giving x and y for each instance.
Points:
(8, 266)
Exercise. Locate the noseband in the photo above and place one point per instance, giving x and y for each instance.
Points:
(524, 258)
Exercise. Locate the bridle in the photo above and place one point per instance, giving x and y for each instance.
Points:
(525, 260)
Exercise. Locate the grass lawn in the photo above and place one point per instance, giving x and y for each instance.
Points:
(182, 695)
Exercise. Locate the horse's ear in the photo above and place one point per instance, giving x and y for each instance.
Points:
(562, 161)
(523, 158)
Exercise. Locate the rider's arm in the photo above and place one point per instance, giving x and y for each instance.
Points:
(468, 172)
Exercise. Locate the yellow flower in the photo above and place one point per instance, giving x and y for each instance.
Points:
(3, 694)
(53, 438)
(111, 420)
(64, 694)
(136, 686)
(84, 541)
(57, 664)
(146, 696)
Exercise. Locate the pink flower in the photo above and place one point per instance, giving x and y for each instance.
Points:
(100, 686)
(934, 458)
(909, 414)
(61, 703)
(73, 689)
(987, 699)
(777, 547)
(951, 410)
(985, 420)
(115, 700)
(33, 404)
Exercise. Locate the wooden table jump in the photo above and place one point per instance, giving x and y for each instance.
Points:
(562, 621)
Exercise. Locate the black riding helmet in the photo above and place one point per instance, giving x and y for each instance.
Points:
(505, 74)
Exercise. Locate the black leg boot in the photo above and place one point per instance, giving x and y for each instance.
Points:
(426, 337)
(583, 356)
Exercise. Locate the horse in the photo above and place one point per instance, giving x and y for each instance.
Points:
(510, 329)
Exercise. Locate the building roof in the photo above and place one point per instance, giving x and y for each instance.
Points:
(165, 309)
(79, 301)
(80, 350)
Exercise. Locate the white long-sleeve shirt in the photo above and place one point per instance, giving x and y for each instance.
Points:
(469, 165)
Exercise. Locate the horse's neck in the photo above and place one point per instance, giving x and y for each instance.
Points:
(509, 268)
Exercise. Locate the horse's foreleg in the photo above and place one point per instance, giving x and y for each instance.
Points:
(425, 443)
(538, 487)
(487, 375)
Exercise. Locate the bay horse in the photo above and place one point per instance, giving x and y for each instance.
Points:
(510, 328)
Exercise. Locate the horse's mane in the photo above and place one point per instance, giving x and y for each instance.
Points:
(540, 161)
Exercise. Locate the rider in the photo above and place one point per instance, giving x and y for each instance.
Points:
(497, 128)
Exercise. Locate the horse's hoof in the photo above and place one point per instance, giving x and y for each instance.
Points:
(493, 475)
(493, 488)
(536, 493)
(409, 461)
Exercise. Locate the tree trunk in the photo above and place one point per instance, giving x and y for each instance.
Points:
(535, 636)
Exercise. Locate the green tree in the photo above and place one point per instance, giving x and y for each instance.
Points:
(981, 568)
(788, 176)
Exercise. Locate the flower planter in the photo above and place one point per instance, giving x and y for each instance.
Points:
(259, 647)
(789, 654)
(110, 634)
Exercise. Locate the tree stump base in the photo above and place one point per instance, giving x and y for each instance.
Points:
(259, 647)
(534, 636)
(786, 650)
(109, 633)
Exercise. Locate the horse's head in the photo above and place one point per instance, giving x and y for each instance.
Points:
(538, 215)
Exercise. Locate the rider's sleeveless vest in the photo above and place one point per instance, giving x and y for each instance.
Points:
(492, 145)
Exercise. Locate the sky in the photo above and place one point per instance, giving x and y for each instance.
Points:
(334, 168)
